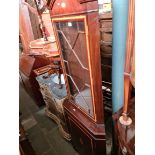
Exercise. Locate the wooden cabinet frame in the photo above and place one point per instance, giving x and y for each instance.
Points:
(89, 126)
(79, 18)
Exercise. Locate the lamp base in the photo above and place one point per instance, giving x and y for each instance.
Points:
(125, 122)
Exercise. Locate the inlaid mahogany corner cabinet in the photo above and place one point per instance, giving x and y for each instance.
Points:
(76, 28)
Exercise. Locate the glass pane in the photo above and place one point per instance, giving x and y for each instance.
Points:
(72, 39)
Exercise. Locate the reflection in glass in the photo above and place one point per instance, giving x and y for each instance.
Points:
(72, 39)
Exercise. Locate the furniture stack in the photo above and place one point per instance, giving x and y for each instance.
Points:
(26, 66)
(106, 57)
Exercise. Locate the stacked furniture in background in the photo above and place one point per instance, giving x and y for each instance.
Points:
(35, 51)
(106, 57)
(26, 66)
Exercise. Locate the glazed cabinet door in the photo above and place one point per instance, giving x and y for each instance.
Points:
(72, 34)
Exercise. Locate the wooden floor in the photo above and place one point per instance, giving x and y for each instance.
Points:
(42, 133)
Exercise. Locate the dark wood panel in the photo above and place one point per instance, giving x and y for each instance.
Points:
(106, 49)
(106, 23)
(106, 36)
(86, 122)
(106, 29)
(67, 7)
(106, 59)
(80, 140)
(84, 131)
(95, 64)
(107, 71)
(26, 148)
(105, 16)
(26, 64)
